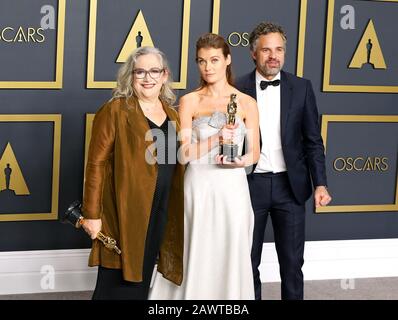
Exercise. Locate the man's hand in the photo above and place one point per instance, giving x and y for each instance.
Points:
(321, 196)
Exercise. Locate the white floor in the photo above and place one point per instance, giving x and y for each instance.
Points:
(349, 289)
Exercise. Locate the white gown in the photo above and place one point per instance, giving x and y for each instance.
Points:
(218, 222)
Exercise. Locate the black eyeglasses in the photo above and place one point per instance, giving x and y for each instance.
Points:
(154, 73)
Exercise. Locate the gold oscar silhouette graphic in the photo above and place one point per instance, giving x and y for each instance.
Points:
(368, 51)
(139, 35)
(11, 177)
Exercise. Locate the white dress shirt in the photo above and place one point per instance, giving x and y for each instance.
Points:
(269, 108)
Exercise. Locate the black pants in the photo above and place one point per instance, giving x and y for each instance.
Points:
(110, 283)
(271, 194)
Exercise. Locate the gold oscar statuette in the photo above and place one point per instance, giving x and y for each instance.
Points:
(74, 216)
(228, 147)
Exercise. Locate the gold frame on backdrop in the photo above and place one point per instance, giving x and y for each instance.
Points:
(215, 26)
(326, 119)
(301, 36)
(57, 84)
(93, 84)
(56, 119)
(327, 86)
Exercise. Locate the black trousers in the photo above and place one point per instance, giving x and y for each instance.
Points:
(110, 283)
(271, 195)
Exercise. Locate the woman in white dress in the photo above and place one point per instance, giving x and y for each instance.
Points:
(217, 209)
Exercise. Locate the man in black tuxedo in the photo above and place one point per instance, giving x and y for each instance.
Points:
(292, 157)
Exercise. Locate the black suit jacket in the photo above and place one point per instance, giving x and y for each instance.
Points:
(301, 139)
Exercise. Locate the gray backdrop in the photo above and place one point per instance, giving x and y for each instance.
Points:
(32, 142)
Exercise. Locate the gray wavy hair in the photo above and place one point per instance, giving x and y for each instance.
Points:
(124, 87)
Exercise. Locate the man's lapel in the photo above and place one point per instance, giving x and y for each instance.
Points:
(286, 99)
(251, 90)
(250, 85)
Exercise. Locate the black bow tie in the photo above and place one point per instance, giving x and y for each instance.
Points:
(265, 84)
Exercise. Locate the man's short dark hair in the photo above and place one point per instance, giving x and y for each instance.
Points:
(265, 28)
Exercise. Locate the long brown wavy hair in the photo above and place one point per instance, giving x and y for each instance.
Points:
(215, 41)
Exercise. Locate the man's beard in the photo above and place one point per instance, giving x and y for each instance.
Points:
(266, 71)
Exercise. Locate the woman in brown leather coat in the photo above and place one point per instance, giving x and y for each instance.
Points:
(134, 184)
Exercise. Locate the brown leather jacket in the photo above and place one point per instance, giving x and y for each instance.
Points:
(119, 187)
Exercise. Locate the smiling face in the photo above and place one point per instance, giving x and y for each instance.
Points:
(212, 64)
(148, 76)
(269, 54)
